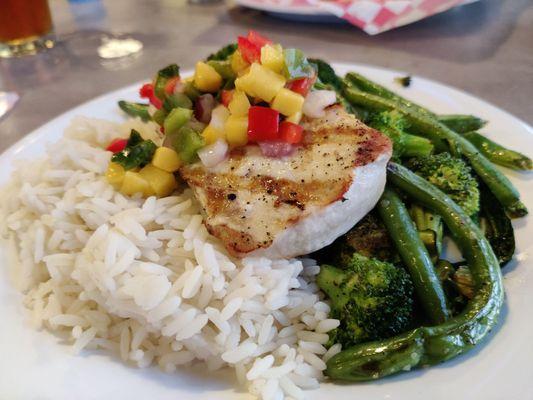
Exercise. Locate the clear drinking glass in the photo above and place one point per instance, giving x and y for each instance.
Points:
(25, 27)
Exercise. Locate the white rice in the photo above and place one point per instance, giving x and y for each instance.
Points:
(144, 279)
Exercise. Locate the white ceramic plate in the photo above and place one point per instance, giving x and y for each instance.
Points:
(35, 365)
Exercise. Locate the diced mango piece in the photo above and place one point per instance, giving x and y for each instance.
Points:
(211, 134)
(272, 57)
(206, 78)
(295, 118)
(288, 102)
(115, 174)
(163, 183)
(260, 82)
(236, 130)
(238, 63)
(219, 116)
(239, 104)
(134, 183)
(166, 159)
(244, 72)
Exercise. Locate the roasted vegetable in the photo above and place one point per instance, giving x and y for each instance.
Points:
(451, 175)
(430, 229)
(395, 126)
(359, 82)
(445, 139)
(414, 255)
(368, 237)
(497, 227)
(373, 299)
(462, 123)
(499, 154)
(431, 345)
(454, 177)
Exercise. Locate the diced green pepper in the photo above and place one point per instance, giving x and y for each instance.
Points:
(135, 109)
(176, 119)
(223, 68)
(163, 75)
(191, 92)
(159, 116)
(177, 100)
(296, 65)
(187, 143)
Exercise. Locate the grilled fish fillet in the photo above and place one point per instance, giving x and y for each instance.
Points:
(282, 208)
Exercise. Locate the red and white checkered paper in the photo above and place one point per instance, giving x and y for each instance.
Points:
(375, 16)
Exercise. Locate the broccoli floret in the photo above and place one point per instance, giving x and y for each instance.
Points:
(368, 237)
(373, 299)
(451, 175)
(395, 126)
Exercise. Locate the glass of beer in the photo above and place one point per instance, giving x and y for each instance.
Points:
(25, 27)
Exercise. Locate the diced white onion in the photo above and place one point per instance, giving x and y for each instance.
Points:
(213, 154)
(316, 101)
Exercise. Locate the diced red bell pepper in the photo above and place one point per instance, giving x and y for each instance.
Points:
(290, 132)
(226, 96)
(258, 39)
(250, 46)
(302, 85)
(263, 124)
(117, 145)
(249, 51)
(156, 102)
(147, 92)
(171, 84)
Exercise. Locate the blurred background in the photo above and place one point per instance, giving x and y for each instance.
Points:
(485, 48)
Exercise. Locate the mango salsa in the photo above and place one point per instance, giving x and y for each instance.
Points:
(272, 57)
(288, 102)
(260, 82)
(163, 183)
(238, 64)
(135, 183)
(115, 174)
(166, 159)
(236, 130)
(212, 134)
(295, 118)
(239, 104)
(206, 78)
